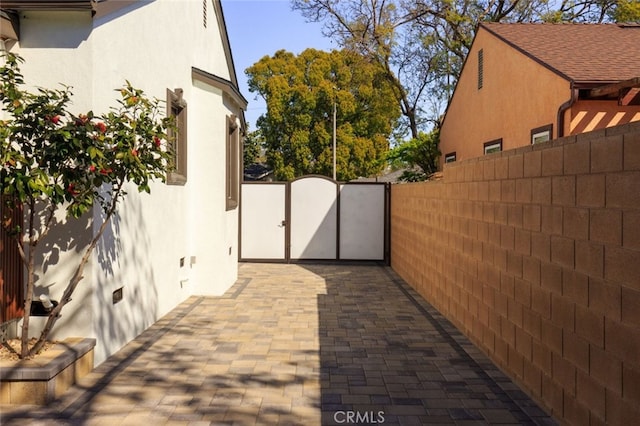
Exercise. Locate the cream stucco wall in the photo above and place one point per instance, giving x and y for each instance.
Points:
(215, 233)
(518, 95)
(154, 46)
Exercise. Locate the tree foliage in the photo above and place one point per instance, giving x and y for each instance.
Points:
(253, 142)
(626, 11)
(301, 92)
(384, 32)
(419, 156)
(52, 159)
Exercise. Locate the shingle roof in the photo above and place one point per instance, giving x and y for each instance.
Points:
(581, 52)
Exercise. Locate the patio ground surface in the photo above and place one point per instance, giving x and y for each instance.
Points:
(296, 345)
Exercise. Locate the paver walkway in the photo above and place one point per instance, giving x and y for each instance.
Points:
(296, 345)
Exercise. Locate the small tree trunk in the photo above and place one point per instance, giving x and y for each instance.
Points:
(24, 347)
(30, 263)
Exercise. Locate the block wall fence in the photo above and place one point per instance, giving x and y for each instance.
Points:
(534, 254)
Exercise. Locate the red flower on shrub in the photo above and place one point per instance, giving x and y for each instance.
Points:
(101, 127)
(81, 120)
(71, 189)
(157, 141)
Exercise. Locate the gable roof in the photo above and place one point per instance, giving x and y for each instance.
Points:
(583, 53)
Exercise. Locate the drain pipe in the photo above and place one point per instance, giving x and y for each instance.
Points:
(563, 108)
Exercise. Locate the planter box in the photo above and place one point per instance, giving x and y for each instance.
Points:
(40, 380)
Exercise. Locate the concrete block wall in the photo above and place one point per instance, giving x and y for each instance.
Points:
(534, 254)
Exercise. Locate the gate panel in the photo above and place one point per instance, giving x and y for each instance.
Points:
(314, 218)
(362, 222)
(263, 214)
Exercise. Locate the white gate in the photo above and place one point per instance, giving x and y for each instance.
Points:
(313, 218)
(263, 226)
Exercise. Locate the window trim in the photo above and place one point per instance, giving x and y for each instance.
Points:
(539, 131)
(177, 107)
(232, 154)
(493, 146)
(450, 157)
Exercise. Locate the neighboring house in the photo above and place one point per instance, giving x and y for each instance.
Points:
(528, 83)
(182, 239)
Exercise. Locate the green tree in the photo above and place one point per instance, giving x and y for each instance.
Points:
(52, 159)
(626, 11)
(419, 156)
(252, 149)
(384, 32)
(301, 93)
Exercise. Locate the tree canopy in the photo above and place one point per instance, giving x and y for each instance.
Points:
(301, 92)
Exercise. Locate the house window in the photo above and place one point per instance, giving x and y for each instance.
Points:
(177, 108)
(480, 68)
(493, 146)
(541, 134)
(233, 162)
(450, 157)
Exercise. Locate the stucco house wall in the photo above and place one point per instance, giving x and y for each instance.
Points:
(180, 240)
(509, 105)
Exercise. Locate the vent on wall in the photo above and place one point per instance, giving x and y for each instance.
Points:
(204, 13)
(480, 68)
(117, 295)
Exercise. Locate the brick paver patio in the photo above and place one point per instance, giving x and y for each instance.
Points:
(296, 345)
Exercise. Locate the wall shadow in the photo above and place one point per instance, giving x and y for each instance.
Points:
(125, 266)
(63, 245)
(186, 368)
(388, 357)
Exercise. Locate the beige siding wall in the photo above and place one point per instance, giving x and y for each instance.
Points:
(518, 95)
(535, 255)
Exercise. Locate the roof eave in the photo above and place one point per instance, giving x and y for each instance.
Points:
(24, 5)
(223, 84)
(9, 26)
(615, 88)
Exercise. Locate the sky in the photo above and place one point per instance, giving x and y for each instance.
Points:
(261, 27)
